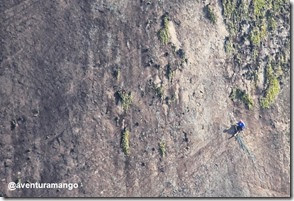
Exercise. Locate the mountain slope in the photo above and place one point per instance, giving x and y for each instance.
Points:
(75, 75)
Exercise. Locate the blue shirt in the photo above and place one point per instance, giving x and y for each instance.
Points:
(241, 124)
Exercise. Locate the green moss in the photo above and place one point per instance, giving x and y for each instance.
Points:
(255, 37)
(210, 14)
(260, 18)
(234, 12)
(260, 7)
(125, 141)
(272, 89)
(163, 33)
(163, 36)
(258, 34)
(125, 98)
(162, 148)
(238, 94)
(229, 7)
(248, 101)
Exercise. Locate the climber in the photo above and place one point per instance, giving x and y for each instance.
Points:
(240, 126)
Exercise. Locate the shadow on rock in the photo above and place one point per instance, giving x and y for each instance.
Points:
(231, 131)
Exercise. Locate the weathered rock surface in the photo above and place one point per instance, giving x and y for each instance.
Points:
(60, 121)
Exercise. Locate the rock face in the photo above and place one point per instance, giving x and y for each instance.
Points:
(75, 74)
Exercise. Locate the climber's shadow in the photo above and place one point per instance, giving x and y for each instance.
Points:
(231, 131)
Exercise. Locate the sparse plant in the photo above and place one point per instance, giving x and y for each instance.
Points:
(272, 24)
(248, 101)
(238, 94)
(162, 149)
(125, 141)
(163, 33)
(210, 14)
(258, 34)
(159, 91)
(259, 7)
(229, 7)
(228, 45)
(272, 89)
(169, 72)
(255, 37)
(125, 98)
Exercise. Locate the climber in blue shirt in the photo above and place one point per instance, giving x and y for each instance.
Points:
(240, 126)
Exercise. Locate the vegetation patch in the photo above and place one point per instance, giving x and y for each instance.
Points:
(163, 33)
(255, 37)
(258, 34)
(272, 23)
(228, 45)
(125, 98)
(125, 141)
(238, 94)
(229, 7)
(209, 12)
(169, 72)
(253, 26)
(234, 12)
(272, 89)
(162, 148)
(159, 91)
(278, 4)
(260, 7)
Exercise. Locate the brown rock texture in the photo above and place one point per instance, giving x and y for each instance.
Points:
(64, 66)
